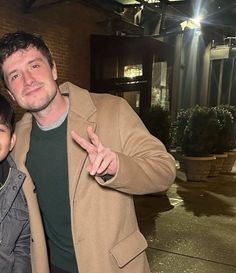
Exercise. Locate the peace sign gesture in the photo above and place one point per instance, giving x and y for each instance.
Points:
(102, 160)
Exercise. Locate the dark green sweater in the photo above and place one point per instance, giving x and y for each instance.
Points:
(47, 165)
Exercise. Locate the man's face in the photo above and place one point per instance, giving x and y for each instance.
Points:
(30, 79)
(6, 141)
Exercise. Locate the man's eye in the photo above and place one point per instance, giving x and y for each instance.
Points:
(13, 77)
(35, 66)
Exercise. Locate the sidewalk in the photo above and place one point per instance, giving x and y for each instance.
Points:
(192, 229)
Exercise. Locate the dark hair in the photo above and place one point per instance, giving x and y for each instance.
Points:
(13, 41)
(7, 114)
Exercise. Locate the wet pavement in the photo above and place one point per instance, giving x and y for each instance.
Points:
(191, 228)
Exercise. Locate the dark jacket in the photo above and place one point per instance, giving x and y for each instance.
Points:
(14, 225)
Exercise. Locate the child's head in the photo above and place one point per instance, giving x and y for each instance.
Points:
(7, 114)
(7, 127)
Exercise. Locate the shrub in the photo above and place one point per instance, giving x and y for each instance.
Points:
(232, 110)
(197, 130)
(226, 132)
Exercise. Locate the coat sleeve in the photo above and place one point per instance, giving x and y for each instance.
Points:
(22, 251)
(144, 164)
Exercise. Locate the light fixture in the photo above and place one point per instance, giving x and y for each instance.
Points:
(191, 23)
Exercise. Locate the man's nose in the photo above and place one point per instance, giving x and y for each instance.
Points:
(28, 78)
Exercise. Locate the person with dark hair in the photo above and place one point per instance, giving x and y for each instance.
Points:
(85, 155)
(14, 218)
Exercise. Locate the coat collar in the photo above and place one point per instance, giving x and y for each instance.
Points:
(80, 101)
(11, 188)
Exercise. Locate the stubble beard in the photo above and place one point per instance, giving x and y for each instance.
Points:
(47, 101)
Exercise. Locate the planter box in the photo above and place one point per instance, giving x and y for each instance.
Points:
(229, 162)
(197, 168)
(216, 165)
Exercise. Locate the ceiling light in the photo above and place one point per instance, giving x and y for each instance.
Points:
(192, 23)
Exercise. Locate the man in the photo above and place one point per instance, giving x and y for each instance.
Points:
(85, 155)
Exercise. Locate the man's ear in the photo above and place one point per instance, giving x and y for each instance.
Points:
(10, 94)
(54, 71)
(13, 141)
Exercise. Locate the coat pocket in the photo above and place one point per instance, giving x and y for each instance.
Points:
(129, 248)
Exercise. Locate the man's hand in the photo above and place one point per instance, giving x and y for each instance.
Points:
(102, 160)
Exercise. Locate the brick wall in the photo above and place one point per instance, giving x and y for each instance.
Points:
(65, 27)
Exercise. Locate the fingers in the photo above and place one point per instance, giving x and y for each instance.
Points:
(83, 142)
(93, 137)
(102, 160)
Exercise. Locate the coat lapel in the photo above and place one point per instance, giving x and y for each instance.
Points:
(20, 151)
(81, 115)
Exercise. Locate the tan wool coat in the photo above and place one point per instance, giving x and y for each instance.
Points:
(105, 232)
